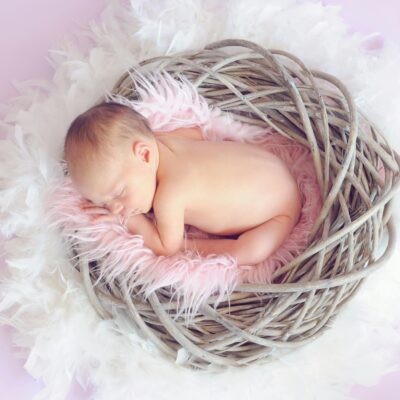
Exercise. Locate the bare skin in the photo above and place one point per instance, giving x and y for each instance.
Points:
(238, 191)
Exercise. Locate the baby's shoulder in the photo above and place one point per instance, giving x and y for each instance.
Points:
(192, 133)
(170, 192)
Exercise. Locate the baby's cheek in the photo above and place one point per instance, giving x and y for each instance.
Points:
(129, 202)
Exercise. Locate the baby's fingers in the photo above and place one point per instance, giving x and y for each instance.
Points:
(86, 203)
(95, 210)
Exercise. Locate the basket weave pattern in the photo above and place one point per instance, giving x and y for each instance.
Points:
(274, 88)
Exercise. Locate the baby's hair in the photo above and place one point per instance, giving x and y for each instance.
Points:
(102, 127)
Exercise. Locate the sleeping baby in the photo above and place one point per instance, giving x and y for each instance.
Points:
(237, 191)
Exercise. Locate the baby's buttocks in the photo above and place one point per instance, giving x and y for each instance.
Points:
(232, 187)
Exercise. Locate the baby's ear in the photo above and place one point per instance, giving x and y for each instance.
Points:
(141, 150)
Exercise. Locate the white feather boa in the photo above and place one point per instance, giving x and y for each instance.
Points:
(42, 297)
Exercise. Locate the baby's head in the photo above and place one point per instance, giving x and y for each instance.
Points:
(112, 157)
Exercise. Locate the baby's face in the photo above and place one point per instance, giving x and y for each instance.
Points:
(124, 183)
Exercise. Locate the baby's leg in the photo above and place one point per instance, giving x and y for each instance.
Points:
(252, 246)
(209, 246)
(255, 245)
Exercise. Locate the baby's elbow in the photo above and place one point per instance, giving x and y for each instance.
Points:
(167, 252)
(170, 250)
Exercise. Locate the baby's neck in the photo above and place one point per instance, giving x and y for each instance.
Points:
(168, 157)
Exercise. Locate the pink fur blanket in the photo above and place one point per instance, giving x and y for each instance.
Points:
(168, 103)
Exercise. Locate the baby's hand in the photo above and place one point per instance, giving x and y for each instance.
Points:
(98, 214)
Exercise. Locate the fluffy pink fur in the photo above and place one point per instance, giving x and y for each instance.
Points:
(168, 104)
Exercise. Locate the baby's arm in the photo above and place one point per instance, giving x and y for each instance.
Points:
(169, 211)
(166, 237)
(139, 224)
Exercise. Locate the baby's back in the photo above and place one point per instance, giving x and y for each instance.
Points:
(230, 187)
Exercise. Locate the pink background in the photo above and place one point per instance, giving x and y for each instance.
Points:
(28, 29)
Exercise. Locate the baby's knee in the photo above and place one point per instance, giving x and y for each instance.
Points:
(247, 252)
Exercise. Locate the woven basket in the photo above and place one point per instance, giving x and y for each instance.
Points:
(274, 88)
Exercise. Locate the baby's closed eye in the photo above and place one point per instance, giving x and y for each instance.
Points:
(122, 193)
